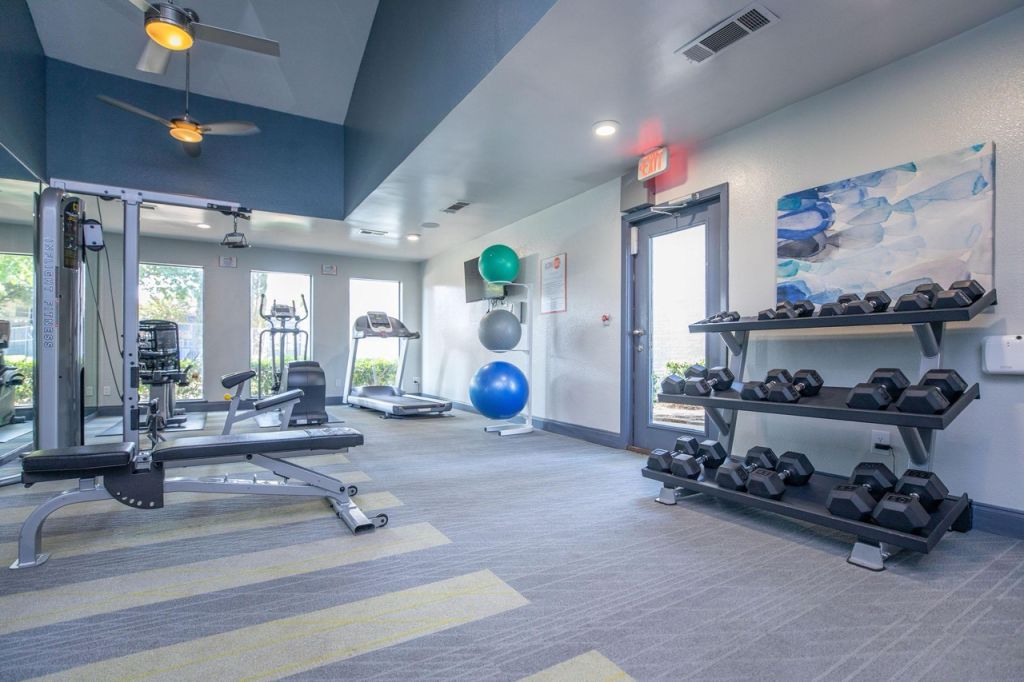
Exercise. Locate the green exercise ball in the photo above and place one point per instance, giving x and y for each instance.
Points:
(499, 263)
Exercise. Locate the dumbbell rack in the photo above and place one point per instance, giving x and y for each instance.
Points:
(807, 503)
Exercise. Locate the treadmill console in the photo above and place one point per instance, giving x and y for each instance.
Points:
(379, 322)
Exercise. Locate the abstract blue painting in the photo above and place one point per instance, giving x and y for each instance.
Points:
(893, 229)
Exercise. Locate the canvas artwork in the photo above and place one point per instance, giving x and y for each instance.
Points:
(892, 229)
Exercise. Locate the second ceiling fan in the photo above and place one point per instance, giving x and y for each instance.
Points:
(172, 29)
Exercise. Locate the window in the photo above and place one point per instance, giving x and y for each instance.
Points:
(17, 278)
(175, 293)
(285, 289)
(378, 358)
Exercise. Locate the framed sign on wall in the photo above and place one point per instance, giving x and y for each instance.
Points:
(553, 284)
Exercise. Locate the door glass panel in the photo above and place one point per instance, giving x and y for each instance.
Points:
(678, 298)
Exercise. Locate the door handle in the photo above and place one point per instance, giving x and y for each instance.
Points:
(638, 332)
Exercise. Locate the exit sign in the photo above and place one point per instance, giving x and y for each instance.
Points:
(652, 163)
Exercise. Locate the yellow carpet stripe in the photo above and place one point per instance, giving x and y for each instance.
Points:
(18, 514)
(588, 667)
(106, 595)
(299, 643)
(152, 526)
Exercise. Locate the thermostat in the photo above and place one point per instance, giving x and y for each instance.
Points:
(1003, 354)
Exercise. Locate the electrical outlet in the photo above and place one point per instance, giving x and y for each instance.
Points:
(880, 438)
(106, 390)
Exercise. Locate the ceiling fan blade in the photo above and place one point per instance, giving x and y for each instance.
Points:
(192, 149)
(243, 41)
(230, 128)
(141, 4)
(154, 58)
(133, 109)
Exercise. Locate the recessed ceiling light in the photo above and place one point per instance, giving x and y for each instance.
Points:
(202, 226)
(430, 226)
(606, 128)
(412, 237)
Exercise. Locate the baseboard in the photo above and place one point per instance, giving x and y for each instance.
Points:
(608, 439)
(999, 520)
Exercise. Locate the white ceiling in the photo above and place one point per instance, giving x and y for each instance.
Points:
(322, 44)
(521, 140)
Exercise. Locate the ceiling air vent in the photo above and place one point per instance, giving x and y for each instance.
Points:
(373, 233)
(727, 32)
(456, 207)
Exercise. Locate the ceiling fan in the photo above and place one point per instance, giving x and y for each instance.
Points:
(172, 28)
(186, 129)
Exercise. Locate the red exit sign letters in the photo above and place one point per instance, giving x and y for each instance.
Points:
(652, 163)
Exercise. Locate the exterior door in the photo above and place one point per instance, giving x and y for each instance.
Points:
(679, 275)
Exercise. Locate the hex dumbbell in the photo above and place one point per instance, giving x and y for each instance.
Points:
(873, 302)
(710, 453)
(960, 294)
(793, 469)
(733, 475)
(859, 496)
(758, 390)
(908, 508)
(717, 379)
(804, 383)
(937, 390)
(922, 298)
(661, 459)
(885, 385)
(783, 311)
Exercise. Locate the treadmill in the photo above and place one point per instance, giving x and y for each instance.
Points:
(390, 400)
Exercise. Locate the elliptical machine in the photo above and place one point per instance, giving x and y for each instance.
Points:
(304, 374)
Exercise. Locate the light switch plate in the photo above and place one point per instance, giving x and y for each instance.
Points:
(1003, 354)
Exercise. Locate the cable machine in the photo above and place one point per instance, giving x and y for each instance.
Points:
(62, 234)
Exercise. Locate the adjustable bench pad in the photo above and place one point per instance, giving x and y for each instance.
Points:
(277, 399)
(235, 378)
(282, 443)
(83, 461)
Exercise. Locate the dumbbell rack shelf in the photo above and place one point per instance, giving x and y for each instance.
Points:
(807, 503)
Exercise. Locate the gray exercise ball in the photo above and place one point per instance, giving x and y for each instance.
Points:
(500, 330)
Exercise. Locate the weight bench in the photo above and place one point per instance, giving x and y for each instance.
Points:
(285, 401)
(136, 479)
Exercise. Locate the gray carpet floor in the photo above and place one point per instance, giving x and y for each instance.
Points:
(532, 550)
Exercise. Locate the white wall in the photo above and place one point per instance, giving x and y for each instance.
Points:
(226, 303)
(966, 90)
(576, 363)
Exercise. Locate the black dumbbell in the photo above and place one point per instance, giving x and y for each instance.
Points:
(724, 316)
(718, 379)
(673, 384)
(873, 302)
(922, 298)
(733, 475)
(804, 383)
(803, 308)
(711, 454)
(793, 469)
(661, 460)
(758, 390)
(696, 371)
(858, 497)
(783, 311)
(885, 385)
(937, 390)
(908, 507)
(960, 294)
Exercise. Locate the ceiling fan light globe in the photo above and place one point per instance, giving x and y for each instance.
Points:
(169, 34)
(186, 132)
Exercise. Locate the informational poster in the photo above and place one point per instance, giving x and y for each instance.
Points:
(553, 285)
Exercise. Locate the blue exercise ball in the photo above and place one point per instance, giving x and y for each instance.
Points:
(499, 390)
